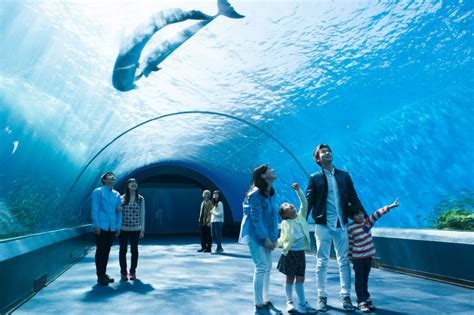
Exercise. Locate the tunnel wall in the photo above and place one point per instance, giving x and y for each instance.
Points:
(31, 262)
(437, 255)
(441, 255)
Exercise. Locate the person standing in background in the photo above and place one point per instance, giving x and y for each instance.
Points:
(217, 220)
(133, 227)
(205, 222)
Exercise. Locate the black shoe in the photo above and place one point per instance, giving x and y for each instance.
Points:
(347, 304)
(201, 250)
(207, 250)
(271, 308)
(110, 280)
(103, 281)
(262, 310)
(323, 304)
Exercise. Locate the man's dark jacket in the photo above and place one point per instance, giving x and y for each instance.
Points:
(317, 194)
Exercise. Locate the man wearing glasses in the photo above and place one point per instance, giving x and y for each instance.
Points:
(107, 221)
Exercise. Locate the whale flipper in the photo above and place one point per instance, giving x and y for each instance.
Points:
(146, 72)
(226, 9)
(138, 76)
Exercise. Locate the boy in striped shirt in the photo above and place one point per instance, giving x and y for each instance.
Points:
(361, 251)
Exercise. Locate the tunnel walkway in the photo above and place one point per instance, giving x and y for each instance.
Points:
(175, 279)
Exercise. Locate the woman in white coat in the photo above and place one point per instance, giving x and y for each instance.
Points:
(217, 220)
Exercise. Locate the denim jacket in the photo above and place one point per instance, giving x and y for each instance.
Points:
(260, 218)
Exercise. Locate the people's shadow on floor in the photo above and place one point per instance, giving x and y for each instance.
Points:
(386, 312)
(100, 293)
(333, 309)
(136, 286)
(381, 311)
(235, 255)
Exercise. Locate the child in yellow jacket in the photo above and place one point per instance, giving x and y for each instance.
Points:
(294, 240)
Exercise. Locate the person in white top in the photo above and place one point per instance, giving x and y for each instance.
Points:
(133, 227)
(217, 220)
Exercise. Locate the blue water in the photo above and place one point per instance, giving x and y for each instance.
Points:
(388, 85)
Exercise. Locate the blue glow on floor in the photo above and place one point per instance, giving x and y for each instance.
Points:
(174, 279)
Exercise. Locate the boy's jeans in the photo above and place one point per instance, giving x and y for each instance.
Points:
(362, 270)
(262, 258)
(324, 237)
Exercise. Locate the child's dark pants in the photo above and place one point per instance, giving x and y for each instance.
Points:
(362, 270)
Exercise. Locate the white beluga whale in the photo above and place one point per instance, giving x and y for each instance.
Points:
(127, 68)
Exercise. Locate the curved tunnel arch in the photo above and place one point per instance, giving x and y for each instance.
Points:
(154, 174)
(158, 176)
(199, 174)
(256, 127)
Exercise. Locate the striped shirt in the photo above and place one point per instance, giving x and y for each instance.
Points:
(361, 244)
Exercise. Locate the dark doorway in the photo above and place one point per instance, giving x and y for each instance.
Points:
(173, 196)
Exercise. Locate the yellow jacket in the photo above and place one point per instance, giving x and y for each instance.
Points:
(286, 236)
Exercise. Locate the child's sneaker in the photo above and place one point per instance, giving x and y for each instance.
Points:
(347, 304)
(323, 304)
(306, 308)
(124, 276)
(290, 307)
(363, 307)
(370, 304)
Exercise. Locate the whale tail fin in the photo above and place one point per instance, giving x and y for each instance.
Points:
(226, 9)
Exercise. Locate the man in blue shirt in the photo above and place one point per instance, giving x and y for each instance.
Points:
(107, 221)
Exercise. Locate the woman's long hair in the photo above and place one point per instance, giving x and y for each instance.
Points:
(215, 201)
(138, 198)
(259, 182)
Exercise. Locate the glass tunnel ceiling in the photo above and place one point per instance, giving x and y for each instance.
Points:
(381, 82)
(235, 145)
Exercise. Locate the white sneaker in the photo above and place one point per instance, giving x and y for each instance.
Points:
(306, 308)
(290, 307)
